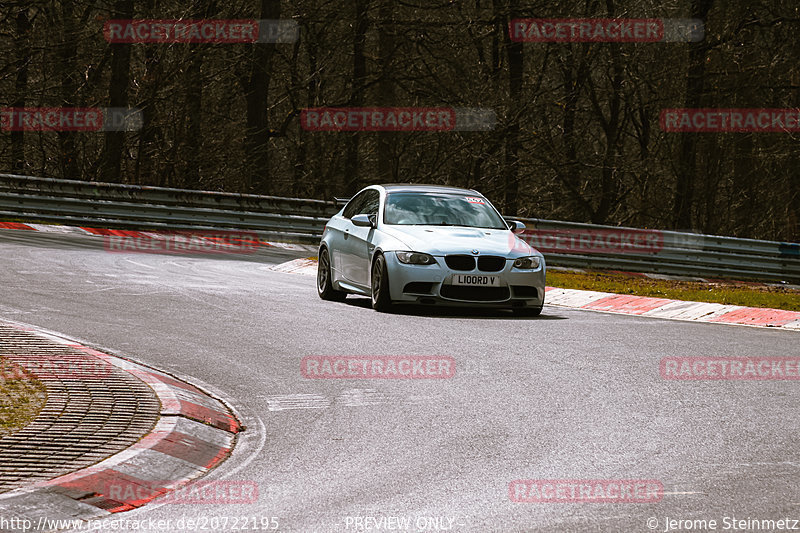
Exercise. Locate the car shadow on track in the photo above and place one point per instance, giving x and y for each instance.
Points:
(453, 312)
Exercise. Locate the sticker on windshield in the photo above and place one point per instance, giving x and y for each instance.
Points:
(474, 200)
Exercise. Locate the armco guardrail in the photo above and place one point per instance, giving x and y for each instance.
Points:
(118, 205)
(562, 243)
(573, 244)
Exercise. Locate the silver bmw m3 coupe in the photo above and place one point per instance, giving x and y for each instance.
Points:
(429, 245)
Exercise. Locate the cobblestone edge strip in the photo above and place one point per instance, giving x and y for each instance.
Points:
(195, 432)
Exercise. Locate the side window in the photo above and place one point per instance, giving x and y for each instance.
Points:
(354, 205)
(372, 202)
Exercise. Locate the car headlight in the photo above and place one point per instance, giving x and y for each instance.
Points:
(415, 258)
(527, 263)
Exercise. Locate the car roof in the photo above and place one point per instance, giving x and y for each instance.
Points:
(413, 187)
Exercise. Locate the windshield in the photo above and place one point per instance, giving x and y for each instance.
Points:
(436, 209)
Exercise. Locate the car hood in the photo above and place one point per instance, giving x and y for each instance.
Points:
(442, 240)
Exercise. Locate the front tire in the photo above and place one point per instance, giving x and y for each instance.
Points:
(529, 311)
(325, 280)
(381, 300)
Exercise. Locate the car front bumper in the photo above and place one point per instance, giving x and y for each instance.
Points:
(431, 284)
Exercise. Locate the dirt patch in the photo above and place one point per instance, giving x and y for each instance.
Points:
(21, 397)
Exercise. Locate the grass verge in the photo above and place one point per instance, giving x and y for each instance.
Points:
(21, 397)
(723, 292)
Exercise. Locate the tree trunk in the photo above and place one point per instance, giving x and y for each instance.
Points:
(609, 177)
(574, 72)
(111, 160)
(386, 97)
(23, 51)
(67, 56)
(257, 178)
(687, 160)
(146, 151)
(515, 69)
(352, 182)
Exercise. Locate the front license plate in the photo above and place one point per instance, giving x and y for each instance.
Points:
(476, 280)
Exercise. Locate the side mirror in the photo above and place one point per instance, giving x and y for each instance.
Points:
(518, 228)
(364, 221)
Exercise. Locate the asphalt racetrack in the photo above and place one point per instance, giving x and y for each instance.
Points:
(571, 395)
